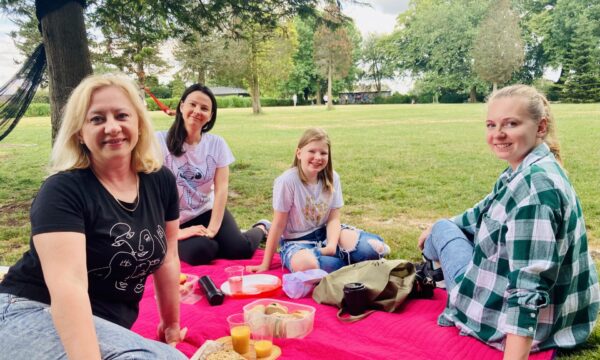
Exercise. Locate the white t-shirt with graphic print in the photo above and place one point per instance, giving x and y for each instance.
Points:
(308, 206)
(195, 172)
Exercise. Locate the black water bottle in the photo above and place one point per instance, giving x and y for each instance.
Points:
(213, 294)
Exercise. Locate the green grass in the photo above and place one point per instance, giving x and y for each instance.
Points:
(402, 167)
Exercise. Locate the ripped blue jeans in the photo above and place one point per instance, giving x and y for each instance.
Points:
(317, 239)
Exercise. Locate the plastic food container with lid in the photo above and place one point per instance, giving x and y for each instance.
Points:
(290, 320)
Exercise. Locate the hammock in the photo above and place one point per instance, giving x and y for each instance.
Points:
(167, 110)
(19, 91)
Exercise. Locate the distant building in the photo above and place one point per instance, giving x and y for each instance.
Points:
(362, 97)
(228, 91)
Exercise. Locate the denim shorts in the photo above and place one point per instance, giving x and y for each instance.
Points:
(27, 332)
(317, 239)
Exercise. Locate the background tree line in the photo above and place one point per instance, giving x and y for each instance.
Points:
(454, 50)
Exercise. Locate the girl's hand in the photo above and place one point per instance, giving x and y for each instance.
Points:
(257, 268)
(423, 237)
(328, 250)
(172, 335)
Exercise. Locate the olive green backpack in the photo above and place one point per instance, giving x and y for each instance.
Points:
(389, 282)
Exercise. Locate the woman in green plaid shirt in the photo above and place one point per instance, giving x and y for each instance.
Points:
(516, 266)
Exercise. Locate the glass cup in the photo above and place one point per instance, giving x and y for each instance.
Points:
(240, 333)
(235, 277)
(262, 329)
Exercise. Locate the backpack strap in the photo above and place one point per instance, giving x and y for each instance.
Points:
(352, 318)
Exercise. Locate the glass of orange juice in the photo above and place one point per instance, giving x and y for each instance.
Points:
(262, 329)
(240, 333)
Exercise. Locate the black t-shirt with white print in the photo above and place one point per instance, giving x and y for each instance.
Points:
(122, 247)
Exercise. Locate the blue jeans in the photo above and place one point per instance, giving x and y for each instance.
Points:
(317, 239)
(27, 332)
(450, 246)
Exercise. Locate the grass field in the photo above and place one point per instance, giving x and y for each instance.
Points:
(402, 167)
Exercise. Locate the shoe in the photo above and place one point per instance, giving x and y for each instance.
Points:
(427, 275)
(423, 285)
(266, 223)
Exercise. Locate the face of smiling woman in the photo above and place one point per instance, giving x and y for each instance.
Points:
(511, 132)
(111, 127)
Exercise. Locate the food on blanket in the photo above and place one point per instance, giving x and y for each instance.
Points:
(299, 314)
(225, 355)
(186, 288)
(182, 278)
(285, 322)
(274, 308)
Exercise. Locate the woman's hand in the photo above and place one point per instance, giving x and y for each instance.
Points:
(424, 236)
(196, 230)
(171, 335)
(257, 268)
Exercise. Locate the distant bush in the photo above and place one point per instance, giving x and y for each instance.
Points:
(170, 102)
(41, 98)
(161, 91)
(393, 99)
(36, 109)
(276, 102)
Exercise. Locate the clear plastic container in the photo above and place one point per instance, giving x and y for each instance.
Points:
(296, 322)
(188, 291)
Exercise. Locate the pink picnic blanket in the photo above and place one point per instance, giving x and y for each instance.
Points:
(409, 333)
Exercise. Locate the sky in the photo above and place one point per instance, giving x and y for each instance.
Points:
(378, 18)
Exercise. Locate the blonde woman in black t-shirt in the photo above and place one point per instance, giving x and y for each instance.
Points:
(104, 220)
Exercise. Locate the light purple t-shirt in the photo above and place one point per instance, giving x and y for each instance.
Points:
(308, 206)
(195, 172)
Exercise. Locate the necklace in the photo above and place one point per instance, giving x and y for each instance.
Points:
(119, 202)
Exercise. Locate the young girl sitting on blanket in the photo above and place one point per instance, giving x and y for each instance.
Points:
(306, 223)
(516, 266)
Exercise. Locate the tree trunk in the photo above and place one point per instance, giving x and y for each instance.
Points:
(329, 81)
(473, 95)
(254, 86)
(318, 92)
(67, 53)
(494, 86)
(202, 77)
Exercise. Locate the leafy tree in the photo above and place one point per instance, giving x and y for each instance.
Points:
(28, 36)
(177, 86)
(303, 77)
(132, 32)
(435, 40)
(498, 50)
(333, 54)
(582, 82)
(378, 59)
(201, 56)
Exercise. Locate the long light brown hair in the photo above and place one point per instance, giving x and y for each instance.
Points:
(325, 175)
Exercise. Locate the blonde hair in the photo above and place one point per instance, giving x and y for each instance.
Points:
(538, 108)
(68, 153)
(325, 175)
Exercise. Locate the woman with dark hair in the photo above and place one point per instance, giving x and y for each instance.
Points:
(200, 162)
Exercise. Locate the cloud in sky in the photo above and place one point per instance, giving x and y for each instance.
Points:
(9, 52)
(393, 7)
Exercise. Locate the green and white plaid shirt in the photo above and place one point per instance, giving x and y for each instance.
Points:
(531, 272)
